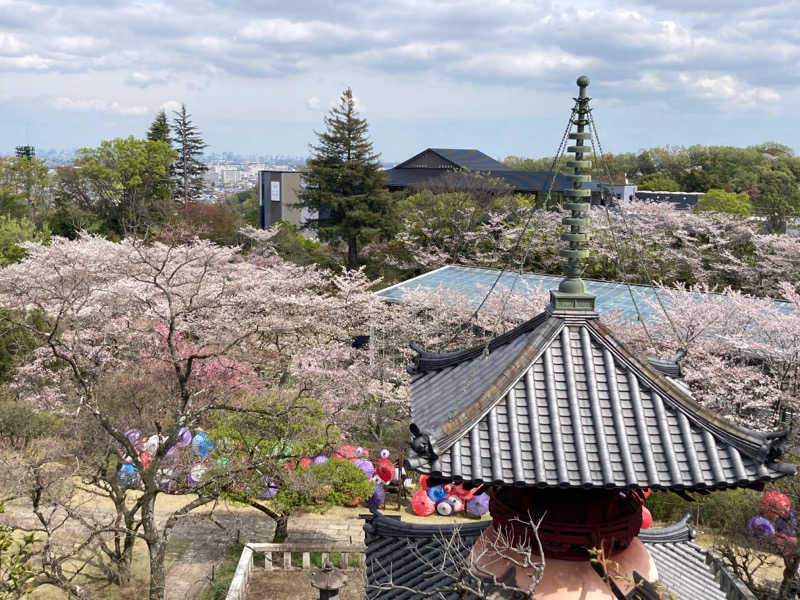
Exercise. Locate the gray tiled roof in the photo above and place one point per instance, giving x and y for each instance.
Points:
(562, 403)
(518, 181)
(684, 568)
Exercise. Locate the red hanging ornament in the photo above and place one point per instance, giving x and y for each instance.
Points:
(647, 518)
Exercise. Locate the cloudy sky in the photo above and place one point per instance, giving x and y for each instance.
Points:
(258, 76)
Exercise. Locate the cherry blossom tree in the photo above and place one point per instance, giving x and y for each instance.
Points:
(156, 339)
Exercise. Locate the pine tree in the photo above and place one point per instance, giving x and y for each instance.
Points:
(187, 168)
(159, 129)
(345, 184)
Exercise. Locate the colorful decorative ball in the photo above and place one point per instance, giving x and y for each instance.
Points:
(171, 456)
(436, 493)
(366, 466)
(385, 469)
(223, 461)
(151, 445)
(168, 477)
(422, 505)
(647, 518)
(306, 462)
(479, 505)
(129, 475)
(133, 435)
(318, 460)
(196, 474)
(456, 502)
(761, 527)
(201, 445)
(385, 453)
(444, 508)
(270, 487)
(775, 501)
(145, 459)
(184, 437)
(423, 482)
(345, 452)
(378, 497)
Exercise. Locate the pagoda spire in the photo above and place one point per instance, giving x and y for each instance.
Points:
(572, 294)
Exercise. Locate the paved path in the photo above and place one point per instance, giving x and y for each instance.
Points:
(208, 542)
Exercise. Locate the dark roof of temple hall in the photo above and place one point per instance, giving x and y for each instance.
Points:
(406, 550)
(518, 181)
(468, 159)
(559, 402)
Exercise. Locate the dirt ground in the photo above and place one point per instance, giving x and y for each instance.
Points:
(296, 585)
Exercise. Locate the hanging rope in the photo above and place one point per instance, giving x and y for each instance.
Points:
(552, 177)
(639, 251)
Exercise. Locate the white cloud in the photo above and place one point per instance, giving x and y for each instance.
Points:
(9, 44)
(95, 105)
(313, 103)
(169, 106)
(146, 79)
(729, 91)
(286, 31)
(74, 43)
(27, 62)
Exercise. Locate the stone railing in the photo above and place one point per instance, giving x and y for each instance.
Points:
(279, 556)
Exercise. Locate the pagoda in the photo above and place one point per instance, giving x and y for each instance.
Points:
(564, 424)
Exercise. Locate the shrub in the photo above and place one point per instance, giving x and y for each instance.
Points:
(319, 487)
(20, 424)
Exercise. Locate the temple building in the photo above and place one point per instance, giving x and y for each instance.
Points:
(424, 169)
(569, 429)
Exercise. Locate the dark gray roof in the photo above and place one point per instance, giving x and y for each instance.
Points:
(684, 568)
(462, 158)
(519, 181)
(560, 403)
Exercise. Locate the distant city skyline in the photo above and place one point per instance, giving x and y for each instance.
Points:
(258, 77)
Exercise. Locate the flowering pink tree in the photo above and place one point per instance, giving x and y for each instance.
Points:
(157, 339)
(638, 242)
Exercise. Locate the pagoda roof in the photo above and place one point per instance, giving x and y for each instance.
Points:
(559, 402)
(406, 550)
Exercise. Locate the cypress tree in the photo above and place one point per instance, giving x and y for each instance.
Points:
(159, 129)
(345, 183)
(187, 168)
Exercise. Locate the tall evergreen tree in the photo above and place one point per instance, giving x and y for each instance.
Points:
(345, 184)
(159, 129)
(187, 168)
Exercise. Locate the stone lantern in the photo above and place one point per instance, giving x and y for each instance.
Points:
(328, 581)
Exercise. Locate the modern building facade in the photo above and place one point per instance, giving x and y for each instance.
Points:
(279, 198)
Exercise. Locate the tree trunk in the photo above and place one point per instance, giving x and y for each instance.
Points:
(122, 554)
(156, 545)
(281, 520)
(352, 253)
(281, 529)
(789, 572)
